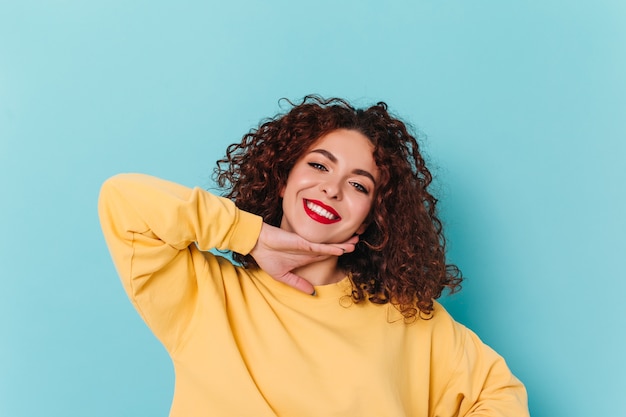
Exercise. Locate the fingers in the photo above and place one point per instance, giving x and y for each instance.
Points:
(350, 244)
(298, 283)
(279, 252)
(347, 246)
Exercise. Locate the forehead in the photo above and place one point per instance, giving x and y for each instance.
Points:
(345, 140)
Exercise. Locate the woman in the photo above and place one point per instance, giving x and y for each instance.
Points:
(329, 308)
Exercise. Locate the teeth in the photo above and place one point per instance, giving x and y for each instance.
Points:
(322, 212)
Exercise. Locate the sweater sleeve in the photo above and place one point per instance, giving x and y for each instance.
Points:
(480, 383)
(150, 226)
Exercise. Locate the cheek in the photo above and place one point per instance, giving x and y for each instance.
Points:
(364, 209)
(290, 183)
(283, 189)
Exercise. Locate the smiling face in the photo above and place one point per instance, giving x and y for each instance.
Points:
(330, 189)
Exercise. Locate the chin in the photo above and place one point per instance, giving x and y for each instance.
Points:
(317, 238)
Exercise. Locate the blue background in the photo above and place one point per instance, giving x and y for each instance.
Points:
(523, 105)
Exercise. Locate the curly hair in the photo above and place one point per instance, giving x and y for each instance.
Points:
(400, 258)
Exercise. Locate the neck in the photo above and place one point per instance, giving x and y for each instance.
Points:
(323, 272)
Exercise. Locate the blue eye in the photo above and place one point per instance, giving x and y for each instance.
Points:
(359, 187)
(317, 166)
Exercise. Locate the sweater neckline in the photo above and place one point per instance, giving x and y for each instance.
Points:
(323, 293)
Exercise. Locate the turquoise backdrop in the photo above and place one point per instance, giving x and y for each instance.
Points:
(523, 110)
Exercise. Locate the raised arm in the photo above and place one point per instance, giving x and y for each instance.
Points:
(149, 225)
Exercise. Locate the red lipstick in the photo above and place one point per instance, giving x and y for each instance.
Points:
(322, 213)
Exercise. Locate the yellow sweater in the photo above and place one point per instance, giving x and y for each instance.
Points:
(244, 344)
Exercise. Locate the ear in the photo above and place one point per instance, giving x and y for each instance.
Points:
(281, 193)
(362, 228)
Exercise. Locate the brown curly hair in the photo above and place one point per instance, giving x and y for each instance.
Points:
(400, 258)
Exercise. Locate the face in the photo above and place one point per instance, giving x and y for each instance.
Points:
(330, 190)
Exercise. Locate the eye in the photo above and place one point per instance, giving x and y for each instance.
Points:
(360, 188)
(317, 166)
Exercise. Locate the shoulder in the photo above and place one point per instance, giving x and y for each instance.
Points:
(445, 335)
(438, 321)
(443, 321)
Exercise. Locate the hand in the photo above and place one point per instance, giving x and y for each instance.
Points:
(279, 252)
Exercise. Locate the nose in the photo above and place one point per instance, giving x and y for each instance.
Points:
(332, 189)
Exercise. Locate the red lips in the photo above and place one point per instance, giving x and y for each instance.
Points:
(318, 217)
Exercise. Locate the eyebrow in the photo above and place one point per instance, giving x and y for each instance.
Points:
(333, 159)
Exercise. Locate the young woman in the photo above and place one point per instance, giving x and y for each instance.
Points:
(328, 309)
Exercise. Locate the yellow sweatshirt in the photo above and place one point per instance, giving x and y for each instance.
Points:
(244, 344)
